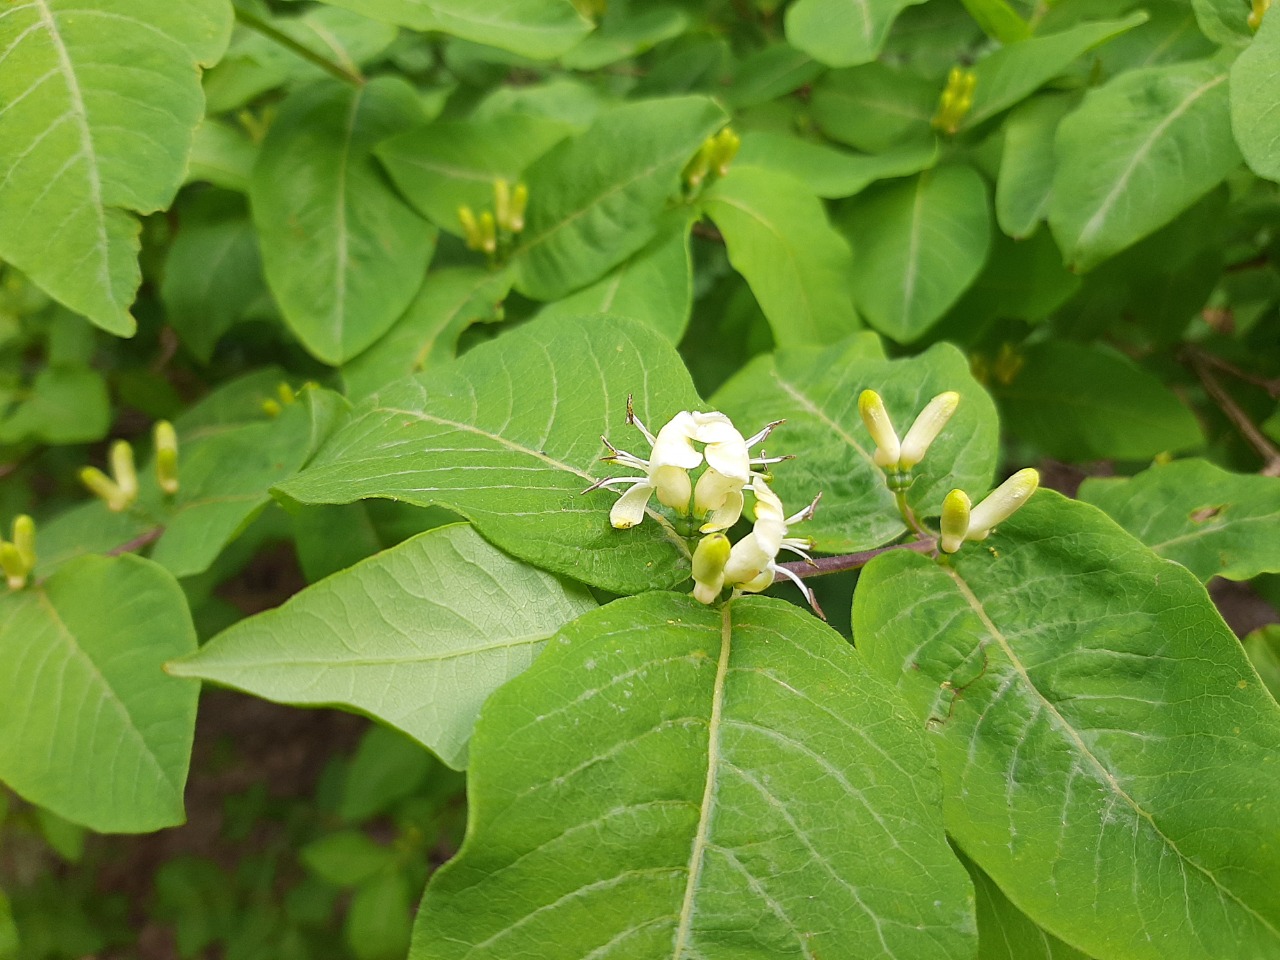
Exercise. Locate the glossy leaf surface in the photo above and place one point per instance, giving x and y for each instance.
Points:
(1254, 117)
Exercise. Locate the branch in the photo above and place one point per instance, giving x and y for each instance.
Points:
(1269, 452)
(822, 566)
(138, 542)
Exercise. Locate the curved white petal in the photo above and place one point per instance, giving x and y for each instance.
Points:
(926, 428)
(674, 487)
(629, 508)
(674, 444)
(747, 561)
(726, 515)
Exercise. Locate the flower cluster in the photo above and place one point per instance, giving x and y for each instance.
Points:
(686, 442)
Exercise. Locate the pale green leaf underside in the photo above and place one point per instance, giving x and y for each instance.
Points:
(1099, 729)
(90, 727)
(817, 392)
(100, 101)
(1255, 108)
(509, 436)
(1005, 932)
(416, 636)
(842, 33)
(673, 780)
(1214, 523)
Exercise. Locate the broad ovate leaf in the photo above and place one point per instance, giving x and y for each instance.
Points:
(90, 726)
(817, 390)
(842, 33)
(1005, 932)
(1213, 522)
(1110, 757)
(828, 172)
(674, 780)
(100, 101)
(874, 107)
(343, 253)
(1254, 117)
(416, 636)
(509, 437)
(1027, 164)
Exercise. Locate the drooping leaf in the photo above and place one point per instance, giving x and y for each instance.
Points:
(509, 436)
(917, 246)
(1079, 691)
(416, 636)
(778, 237)
(344, 255)
(842, 33)
(817, 390)
(1027, 164)
(1168, 137)
(90, 726)
(874, 106)
(450, 301)
(828, 172)
(1005, 932)
(1223, 21)
(86, 143)
(673, 780)
(1254, 117)
(1214, 523)
(541, 29)
(594, 199)
(1078, 402)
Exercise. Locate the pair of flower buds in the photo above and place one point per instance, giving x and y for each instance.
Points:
(960, 520)
(18, 555)
(120, 489)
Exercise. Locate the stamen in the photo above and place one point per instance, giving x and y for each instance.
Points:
(607, 481)
(768, 429)
(635, 421)
(808, 594)
(805, 514)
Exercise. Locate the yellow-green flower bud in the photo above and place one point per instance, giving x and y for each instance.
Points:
(519, 201)
(926, 428)
(470, 228)
(876, 417)
(955, 101)
(123, 471)
(271, 407)
(955, 521)
(502, 203)
(725, 149)
(709, 560)
(166, 440)
(1260, 8)
(24, 539)
(15, 570)
(695, 171)
(488, 233)
(286, 394)
(1002, 503)
(104, 488)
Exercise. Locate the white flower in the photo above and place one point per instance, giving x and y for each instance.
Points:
(752, 564)
(666, 472)
(718, 492)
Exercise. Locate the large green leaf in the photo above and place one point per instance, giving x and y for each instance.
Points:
(1079, 402)
(917, 245)
(673, 780)
(509, 436)
(874, 106)
(100, 101)
(828, 172)
(344, 255)
(535, 28)
(90, 727)
(63, 404)
(1214, 523)
(594, 200)
(1254, 79)
(797, 264)
(842, 33)
(1027, 164)
(1017, 70)
(1080, 692)
(817, 390)
(1168, 142)
(1005, 932)
(416, 636)
(1223, 21)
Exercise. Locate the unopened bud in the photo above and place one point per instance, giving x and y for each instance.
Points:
(166, 441)
(488, 233)
(15, 570)
(123, 471)
(286, 394)
(470, 229)
(24, 539)
(519, 201)
(695, 171)
(1260, 8)
(502, 203)
(271, 407)
(104, 488)
(956, 100)
(876, 417)
(709, 560)
(955, 521)
(1002, 503)
(926, 428)
(726, 148)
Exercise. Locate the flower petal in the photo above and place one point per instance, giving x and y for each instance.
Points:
(629, 508)
(674, 444)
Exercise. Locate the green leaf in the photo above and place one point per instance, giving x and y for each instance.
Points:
(594, 199)
(842, 33)
(1023, 280)
(1214, 523)
(416, 636)
(655, 286)
(450, 301)
(778, 237)
(1005, 932)
(378, 922)
(1169, 142)
(1027, 164)
(508, 436)
(344, 255)
(1254, 118)
(223, 155)
(64, 404)
(828, 172)
(85, 142)
(1078, 402)
(347, 858)
(817, 392)
(673, 780)
(874, 107)
(541, 29)
(998, 19)
(1170, 35)
(917, 245)
(1263, 649)
(448, 164)
(626, 30)
(387, 767)
(1015, 71)
(90, 726)
(768, 74)
(1223, 21)
(1079, 690)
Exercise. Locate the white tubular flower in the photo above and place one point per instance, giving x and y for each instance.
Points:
(752, 564)
(955, 521)
(709, 560)
(926, 428)
(729, 462)
(666, 472)
(1002, 503)
(876, 417)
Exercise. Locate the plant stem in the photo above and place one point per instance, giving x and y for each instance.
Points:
(138, 542)
(822, 566)
(909, 515)
(1227, 404)
(254, 22)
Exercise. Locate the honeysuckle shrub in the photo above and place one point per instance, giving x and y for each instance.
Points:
(590, 358)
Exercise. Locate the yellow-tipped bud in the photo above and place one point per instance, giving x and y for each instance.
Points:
(470, 228)
(123, 471)
(955, 521)
(955, 101)
(166, 440)
(502, 203)
(24, 539)
(1002, 503)
(1260, 8)
(271, 407)
(488, 233)
(926, 428)
(876, 417)
(519, 201)
(725, 149)
(709, 561)
(696, 170)
(286, 394)
(104, 488)
(15, 570)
